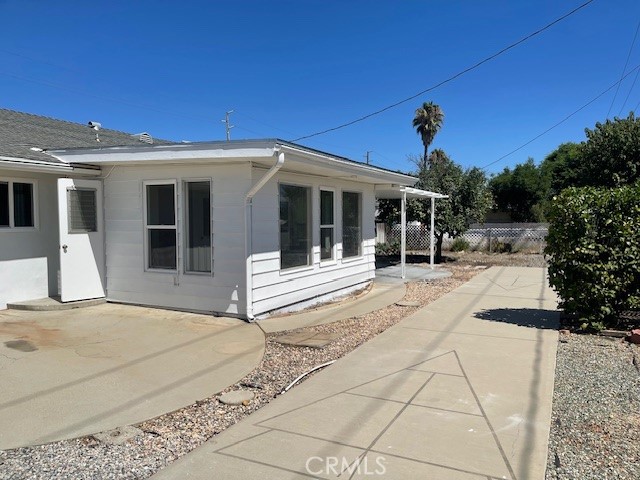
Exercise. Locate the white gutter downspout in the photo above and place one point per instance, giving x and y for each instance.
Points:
(248, 221)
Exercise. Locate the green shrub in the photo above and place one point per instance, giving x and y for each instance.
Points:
(389, 248)
(501, 247)
(459, 244)
(594, 253)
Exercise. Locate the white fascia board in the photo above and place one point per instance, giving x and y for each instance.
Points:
(24, 164)
(348, 167)
(163, 153)
(396, 191)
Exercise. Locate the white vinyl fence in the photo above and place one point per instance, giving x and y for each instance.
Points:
(519, 236)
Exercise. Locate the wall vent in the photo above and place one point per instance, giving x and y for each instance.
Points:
(144, 138)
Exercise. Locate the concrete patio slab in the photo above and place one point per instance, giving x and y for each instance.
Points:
(97, 368)
(448, 393)
(393, 274)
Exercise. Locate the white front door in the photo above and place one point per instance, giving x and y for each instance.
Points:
(81, 239)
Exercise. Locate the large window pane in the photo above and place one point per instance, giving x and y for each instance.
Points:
(326, 207)
(162, 249)
(23, 204)
(351, 224)
(295, 226)
(198, 227)
(4, 204)
(83, 213)
(161, 205)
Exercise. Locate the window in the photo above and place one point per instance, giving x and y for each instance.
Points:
(351, 224)
(327, 226)
(4, 205)
(83, 213)
(17, 203)
(295, 226)
(161, 230)
(198, 225)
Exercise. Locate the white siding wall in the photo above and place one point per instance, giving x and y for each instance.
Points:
(273, 288)
(127, 280)
(29, 258)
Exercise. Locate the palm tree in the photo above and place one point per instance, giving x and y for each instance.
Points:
(428, 121)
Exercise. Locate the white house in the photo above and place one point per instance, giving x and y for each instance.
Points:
(238, 228)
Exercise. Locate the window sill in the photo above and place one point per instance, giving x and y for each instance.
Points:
(328, 263)
(294, 270)
(18, 229)
(352, 259)
(199, 274)
(161, 270)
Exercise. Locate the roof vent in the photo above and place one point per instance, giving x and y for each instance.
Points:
(144, 137)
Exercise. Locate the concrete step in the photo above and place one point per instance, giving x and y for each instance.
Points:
(51, 304)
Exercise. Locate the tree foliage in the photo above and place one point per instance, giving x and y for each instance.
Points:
(427, 122)
(611, 155)
(594, 253)
(469, 197)
(520, 192)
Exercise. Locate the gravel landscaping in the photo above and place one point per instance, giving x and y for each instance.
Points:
(162, 440)
(595, 428)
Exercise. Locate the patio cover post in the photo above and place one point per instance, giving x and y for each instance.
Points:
(403, 234)
(433, 209)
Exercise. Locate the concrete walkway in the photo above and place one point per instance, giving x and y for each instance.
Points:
(459, 390)
(71, 373)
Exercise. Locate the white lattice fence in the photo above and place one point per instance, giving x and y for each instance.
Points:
(480, 237)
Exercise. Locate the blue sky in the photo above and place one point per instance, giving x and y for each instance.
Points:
(291, 68)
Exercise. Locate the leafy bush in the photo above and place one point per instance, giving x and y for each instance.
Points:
(389, 248)
(501, 247)
(459, 244)
(594, 253)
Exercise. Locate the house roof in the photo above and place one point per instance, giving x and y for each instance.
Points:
(24, 136)
(260, 152)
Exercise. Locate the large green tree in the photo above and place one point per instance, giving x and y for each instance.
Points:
(469, 197)
(427, 121)
(559, 169)
(520, 192)
(611, 155)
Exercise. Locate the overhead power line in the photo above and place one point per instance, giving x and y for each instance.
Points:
(601, 94)
(633, 42)
(633, 84)
(450, 79)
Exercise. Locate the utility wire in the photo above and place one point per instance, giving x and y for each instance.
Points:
(601, 94)
(636, 77)
(450, 79)
(624, 70)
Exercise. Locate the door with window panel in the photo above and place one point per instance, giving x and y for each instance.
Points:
(81, 239)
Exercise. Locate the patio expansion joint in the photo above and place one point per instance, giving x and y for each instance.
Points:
(471, 334)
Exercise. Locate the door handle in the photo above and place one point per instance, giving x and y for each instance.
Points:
(64, 248)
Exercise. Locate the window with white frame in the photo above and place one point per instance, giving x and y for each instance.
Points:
(160, 225)
(17, 203)
(351, 224)
(295, 226)
(198, 226)
(327, 225)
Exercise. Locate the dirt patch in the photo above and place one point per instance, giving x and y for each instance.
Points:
(470, 259)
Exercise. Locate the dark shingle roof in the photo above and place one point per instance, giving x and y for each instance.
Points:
(20, 132)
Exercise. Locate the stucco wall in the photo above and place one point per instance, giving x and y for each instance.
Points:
(29, 257)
